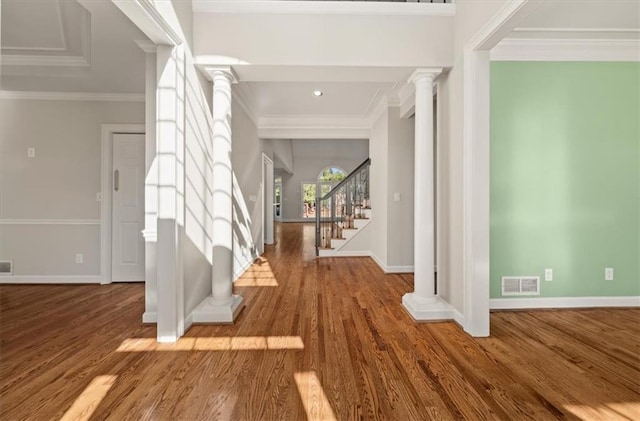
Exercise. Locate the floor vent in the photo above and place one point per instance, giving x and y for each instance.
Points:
(520, 285)
(6, 267)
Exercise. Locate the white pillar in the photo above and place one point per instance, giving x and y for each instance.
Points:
(170, 190)
(150, 232)
(423, 304)
(222, 306)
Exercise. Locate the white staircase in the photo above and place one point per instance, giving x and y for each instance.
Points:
(347, 234)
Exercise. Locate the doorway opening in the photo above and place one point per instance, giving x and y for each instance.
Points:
(327, 179)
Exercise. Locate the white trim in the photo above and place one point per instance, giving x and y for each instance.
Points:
(72, 96)
(458, 318)
(39, 60)
(391, 269)
(501, 24)
(378, 110)
(347, 253)
(322, 128)
(562, 302)
(399, 269)
(49, 221)
(244, 97)
(150, 317)
(107, 131)
(147, 46)
(299, 220)
(245, 267)
(51, 279)
(596, 30)
(518, 49)
(475, 150)
(188, 322)
(324, 8)
(145, 15)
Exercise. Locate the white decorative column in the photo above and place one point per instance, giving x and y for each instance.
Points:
(222, 306)
(423, 303)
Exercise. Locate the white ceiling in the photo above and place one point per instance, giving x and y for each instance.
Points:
(296, 98)
(66, 46)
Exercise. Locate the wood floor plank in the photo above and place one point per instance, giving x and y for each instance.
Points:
(361, 357)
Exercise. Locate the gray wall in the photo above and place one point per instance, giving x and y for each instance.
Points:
(392, 164)
(48, 204)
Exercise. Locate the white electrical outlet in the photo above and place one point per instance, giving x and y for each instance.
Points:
(79, 258)
(608, 274)
(98, 197)
(31, 152)
(548, 275)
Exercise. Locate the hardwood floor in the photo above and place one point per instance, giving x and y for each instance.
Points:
(323, 339)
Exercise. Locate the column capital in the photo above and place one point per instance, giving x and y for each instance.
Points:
(226, 71)
(425, 73)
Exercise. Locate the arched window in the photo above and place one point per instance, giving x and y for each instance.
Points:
(332, 174)
(327, 178)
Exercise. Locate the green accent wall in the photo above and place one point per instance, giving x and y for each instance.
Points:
(565, 176)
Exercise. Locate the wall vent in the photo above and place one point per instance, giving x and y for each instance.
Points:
(520, 285)
(6, 267)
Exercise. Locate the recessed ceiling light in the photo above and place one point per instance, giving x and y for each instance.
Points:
(317, 93)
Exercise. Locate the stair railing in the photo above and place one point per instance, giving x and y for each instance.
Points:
(337, 210)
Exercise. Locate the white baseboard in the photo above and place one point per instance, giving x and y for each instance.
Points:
(391, 269)
(188, 322)
(308, 221)
(562, 302)
(242, 270)
(458, 318)
(399, 269)
(150, 317)
(348, 253)
(52, 279)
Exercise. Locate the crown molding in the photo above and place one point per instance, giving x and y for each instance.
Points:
(309, 127)
(147, 46)
(244, 97)
(72, 96)
(325, 8)
(516, 49)
(586, 30)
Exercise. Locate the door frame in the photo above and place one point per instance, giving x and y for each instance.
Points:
(108, 130)
(267, 200)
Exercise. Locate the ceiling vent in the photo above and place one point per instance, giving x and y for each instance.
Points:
(520, 285)
(6, 267)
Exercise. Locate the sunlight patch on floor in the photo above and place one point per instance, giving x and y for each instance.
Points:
(607, 411)
(258, 275)
(315, 402)
(233, 343)
(89, 399)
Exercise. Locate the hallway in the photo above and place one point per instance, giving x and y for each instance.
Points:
(318, 339)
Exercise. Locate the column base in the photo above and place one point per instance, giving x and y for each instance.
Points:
(427, 309)
(149, 317)
(209, 312)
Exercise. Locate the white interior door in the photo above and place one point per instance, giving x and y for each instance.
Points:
(267, 183)
(127, 212)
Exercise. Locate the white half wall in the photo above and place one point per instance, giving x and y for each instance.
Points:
(49, 210)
